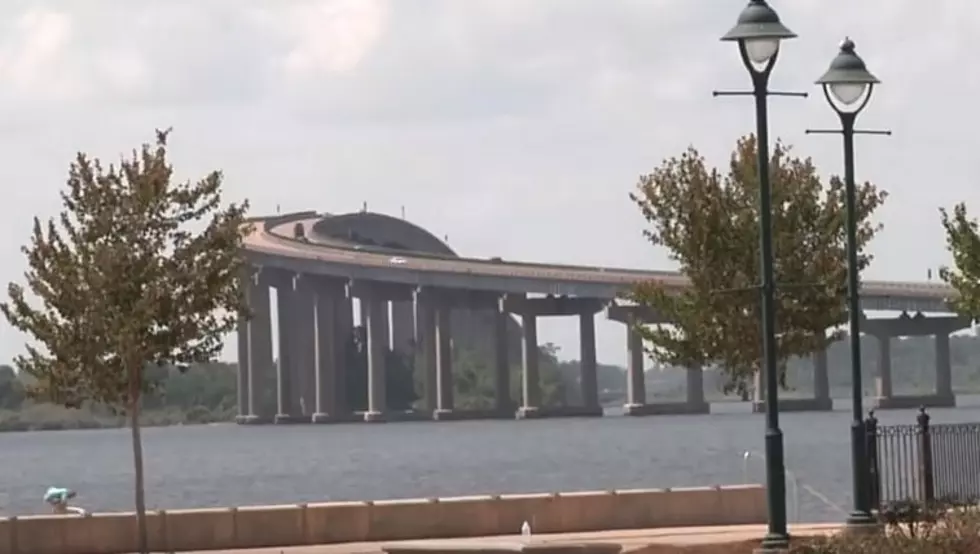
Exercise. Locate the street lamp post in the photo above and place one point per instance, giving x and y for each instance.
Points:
(847, 85)
(758, 34)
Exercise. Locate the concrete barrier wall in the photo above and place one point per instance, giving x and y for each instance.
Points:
(387, 520)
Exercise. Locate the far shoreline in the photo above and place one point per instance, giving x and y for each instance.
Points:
(30, 421)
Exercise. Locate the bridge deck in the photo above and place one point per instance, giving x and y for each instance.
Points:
(273, 237)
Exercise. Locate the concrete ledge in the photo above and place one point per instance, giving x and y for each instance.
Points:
(445, 415)
(797, 405)
(411, 519)
(912, 402)
(409, 415)
(578, 411)
(529, 412)
(557, 412)
(666, 408)
(289, 419)
(473, 415)
(321, 418)
(375, 417)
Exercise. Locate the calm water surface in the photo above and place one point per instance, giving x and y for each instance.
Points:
(222, 465)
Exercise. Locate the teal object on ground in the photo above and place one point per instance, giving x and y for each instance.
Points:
(57, 495)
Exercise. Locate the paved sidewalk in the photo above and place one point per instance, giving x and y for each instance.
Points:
(632, 541)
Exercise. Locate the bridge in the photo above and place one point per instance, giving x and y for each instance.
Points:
(419, 298)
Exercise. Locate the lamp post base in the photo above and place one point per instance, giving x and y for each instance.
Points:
(773, 544)
(861, 524)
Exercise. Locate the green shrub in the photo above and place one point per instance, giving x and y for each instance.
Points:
(909, 529)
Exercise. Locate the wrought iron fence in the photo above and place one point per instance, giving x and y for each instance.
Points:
(923, 462)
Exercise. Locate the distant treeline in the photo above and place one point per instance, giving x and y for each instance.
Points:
(208, 393)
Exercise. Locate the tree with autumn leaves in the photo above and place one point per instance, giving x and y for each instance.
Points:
(707, 219)
(137, 271)
(963, 242)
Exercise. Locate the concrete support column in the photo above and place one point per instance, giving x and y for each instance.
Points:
(636, 389)
(501, 358)
(344, 333)
(287, 356)
(944, 370)
(328, 342)
(589, 379)
(821, 377)
(303, 328)
(259, 352)
(244, 409)
(426, 359)
(384, 337)
(531, 381)
(883, 381)
(758, 391)
(373, 311)
(444, 362)
(695, 386)
(403, 328)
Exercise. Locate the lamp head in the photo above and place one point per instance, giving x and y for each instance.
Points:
(759, 31)
(847, 79)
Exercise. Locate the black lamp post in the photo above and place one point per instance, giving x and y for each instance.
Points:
(758, 33)
(847, 85)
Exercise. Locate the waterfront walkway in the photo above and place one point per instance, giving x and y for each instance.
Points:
(690, 540)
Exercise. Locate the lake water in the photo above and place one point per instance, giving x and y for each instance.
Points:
(221, 465)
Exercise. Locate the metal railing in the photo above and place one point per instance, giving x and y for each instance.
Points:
(796, 484)
(923, 462)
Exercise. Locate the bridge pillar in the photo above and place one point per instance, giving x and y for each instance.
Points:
(244, 373)
(821, 401)
(883, 380)
(636, 397)
(261, 364)
(821, 380)
(425, 360)
(444, 362)
(303, 328)
(373, 312)
(910, 326)
(287, 356)
(531, 381)
(329, 352)
(384, 326)
(695, 389)
(944, 370)
(589, 377)
(758, 392)
(503, 403)
(636, 387)
(403, 327)
(344, 339)
(943, 396)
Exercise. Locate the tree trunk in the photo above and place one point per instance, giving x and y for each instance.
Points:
(134, 425)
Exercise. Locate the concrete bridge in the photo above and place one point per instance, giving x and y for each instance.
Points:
(419, 298)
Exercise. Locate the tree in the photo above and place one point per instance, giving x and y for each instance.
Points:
(138, 271)
(963, 242)
(708, 221)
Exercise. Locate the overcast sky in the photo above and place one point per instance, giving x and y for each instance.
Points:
(515, 127)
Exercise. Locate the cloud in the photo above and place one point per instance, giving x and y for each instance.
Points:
(328, 36)
(517, 127)
(31, 59)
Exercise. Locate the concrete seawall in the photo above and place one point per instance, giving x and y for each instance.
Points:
(388, 520)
